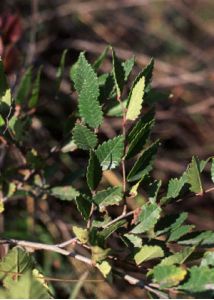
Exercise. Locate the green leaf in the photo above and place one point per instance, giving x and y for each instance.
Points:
(101, 58)
(83, 205)
(24, 86)
(104, 267)
(118, 74)
(168, 276)
(94, 171)
(147, 253)
(81, 234)
(134, 239)
(177, 233)
(193, 176)
(67, 193)
(175, 186)
(61, 69)
(205, 238)
(111, 196)
(5, 93)
(147, 218)
(110, 152)
(87, 86)
(136, 99)
(128, 66)
(33, 101)
(201, 280)
(175, 224)
(147, 118)
(16, 261)
(208, 259)
(177, 258)
(139, 141)
(29, 287)
(212, 170)
(84, 138)
(144, 164)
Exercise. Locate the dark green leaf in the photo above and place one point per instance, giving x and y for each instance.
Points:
(147, 118)
(83, 205)
(84, 138)
(111, 196)
(110, 152)
(144, 164)
(33, 101)
(139, 141)
(101, 58)
(118, 74)
(94, 171)
(87, 86)
(24, 86)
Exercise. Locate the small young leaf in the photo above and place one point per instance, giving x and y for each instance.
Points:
(67, 193)
(139, 141)
(94, 171)
(111, 196)
(201, 279)
(193, 176)
(147, 218)
(81, 234)
(144, 164)
(148, 253)
(84, 138)
(35, 90)
(128, 66)
(99, 254)
(168, 276)
(110, 152)
(136, 100)
(118, 74)
(104, 267)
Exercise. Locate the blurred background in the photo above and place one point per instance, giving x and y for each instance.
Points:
(179, 34)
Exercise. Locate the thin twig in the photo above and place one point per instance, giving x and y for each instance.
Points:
(123, 216)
